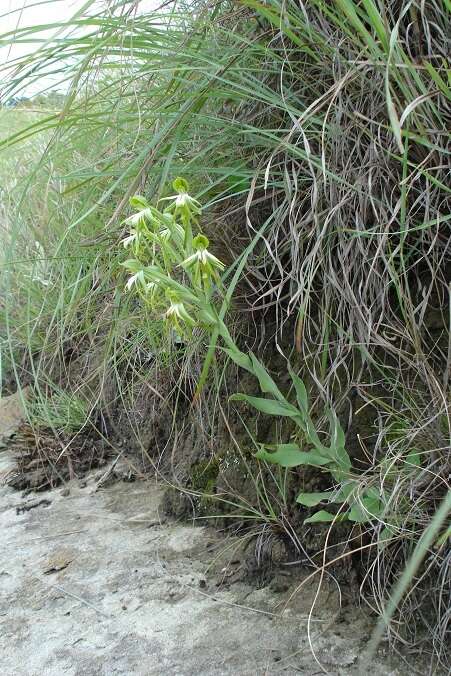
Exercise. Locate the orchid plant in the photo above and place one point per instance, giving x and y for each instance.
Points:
(174, 273)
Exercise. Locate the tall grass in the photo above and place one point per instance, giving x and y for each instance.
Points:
(321, 125)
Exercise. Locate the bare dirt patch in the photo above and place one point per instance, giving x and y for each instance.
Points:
(96, 581)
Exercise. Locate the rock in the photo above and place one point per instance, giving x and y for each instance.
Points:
(12, 415)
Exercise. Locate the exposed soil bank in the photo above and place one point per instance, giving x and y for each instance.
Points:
(94, 581)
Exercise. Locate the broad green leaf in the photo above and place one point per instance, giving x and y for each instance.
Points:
(367, 508)
(239, 358)
(343, 459)
(336, 451)
(267, 384)
(268, 406)
(344, 492)
(337, 435)
(132, 265)
(413, 458)
(289, 455)
(254, 366)
(325, 517)
(313, 499)
(337, 495)
(358, 514)
(313, 437)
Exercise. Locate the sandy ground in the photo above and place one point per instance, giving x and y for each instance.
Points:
(94, 581)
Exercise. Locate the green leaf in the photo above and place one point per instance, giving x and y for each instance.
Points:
(376, 21)
(413, 458)
(392, 113)
(275, 19)
(369, 507)
(301, 392)
(312, 435)
(325, 517)
(238, 183)
(385, 536)
(239, 358)
(313, 499)
(336, 451)
(339, 496)
(343, 460)
(268, 406)
(435, 75)
(349, 9)
(289, 455)
(254, 366)
(393, 117)
(344, 492)
(336, 431)
(266, 383)
(358, 514)
(132, 265)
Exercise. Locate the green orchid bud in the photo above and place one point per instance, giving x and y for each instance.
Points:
(180, 185)
(200, 242)
(139, 202)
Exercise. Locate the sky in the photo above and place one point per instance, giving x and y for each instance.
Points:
(24, 13)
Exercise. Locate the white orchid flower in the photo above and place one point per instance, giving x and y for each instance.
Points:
(204, 264)
(135, 280)
(130, 239)
(177, 314)
(140, 217)
(182, 203)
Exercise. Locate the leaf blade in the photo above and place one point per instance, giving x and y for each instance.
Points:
(289, 455)
(268, 406)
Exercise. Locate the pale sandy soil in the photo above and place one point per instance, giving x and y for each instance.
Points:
(95, 581)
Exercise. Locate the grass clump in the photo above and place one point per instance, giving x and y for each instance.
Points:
(65, 413)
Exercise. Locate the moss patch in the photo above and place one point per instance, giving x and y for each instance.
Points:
(203, 477)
